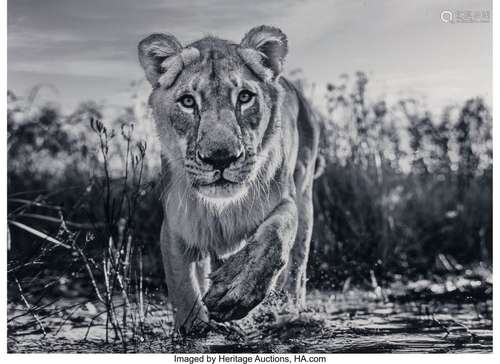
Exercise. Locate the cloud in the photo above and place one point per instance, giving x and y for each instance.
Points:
(391, 38)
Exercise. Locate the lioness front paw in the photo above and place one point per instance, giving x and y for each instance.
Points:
(242, 282)
(193, 322)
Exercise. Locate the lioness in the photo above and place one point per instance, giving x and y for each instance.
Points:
(239, 146)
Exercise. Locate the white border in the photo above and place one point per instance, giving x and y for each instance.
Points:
(3, 173)
(496, 171)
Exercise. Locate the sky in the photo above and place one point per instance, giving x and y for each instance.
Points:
(87, 50)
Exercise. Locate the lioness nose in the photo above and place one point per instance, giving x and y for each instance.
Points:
(220, 158)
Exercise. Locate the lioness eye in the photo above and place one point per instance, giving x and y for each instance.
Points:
(187, 101)
(245, 96)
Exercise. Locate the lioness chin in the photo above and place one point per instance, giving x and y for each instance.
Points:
(239, 147)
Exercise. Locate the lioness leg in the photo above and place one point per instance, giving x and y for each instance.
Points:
(182, 276)
(293, 279)
(202, 273)
(243, 281)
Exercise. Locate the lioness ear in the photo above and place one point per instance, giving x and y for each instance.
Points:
(271, 43)
(154, 51)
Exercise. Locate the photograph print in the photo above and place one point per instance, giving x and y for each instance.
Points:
(249, 177)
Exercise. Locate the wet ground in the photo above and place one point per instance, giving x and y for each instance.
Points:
(454, 316)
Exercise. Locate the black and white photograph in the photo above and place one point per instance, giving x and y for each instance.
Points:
(233, 181)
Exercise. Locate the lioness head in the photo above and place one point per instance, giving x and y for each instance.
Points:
(215, 104)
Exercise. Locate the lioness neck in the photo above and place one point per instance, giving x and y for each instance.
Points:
(220, 229)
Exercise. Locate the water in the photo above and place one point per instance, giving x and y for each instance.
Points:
(351, 322)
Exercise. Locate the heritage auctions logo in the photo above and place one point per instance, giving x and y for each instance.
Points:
(465, 16)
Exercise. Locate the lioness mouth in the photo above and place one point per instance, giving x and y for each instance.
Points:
(222, 182)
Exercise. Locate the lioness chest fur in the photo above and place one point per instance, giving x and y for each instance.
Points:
(239, 147)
